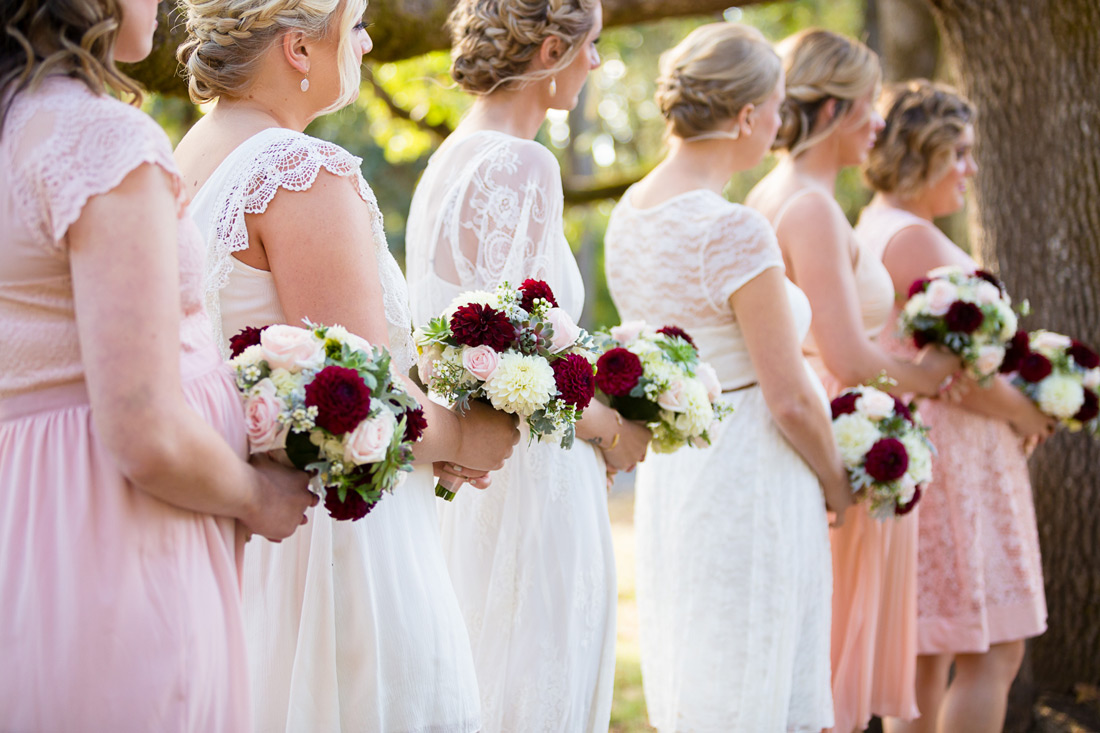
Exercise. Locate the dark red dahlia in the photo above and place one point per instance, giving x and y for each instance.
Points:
(923, 338)
(963, 317)
(618, 371)
(415, 424)
(989, 277)
(244, 338)
(919, 285)
(341, 397)
(676, 331)
(532, 290)
(351, 508)
(575, 380)
(1035, 367)
(1083, 355)
(1015, 351)
(902, 509)
(1090, 408)
(480, 325)
(903, 409)
(844, 404)
(887, 460)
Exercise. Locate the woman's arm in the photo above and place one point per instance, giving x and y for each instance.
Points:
(126, 291)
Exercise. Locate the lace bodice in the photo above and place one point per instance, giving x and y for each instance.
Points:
(679, 262)
(62, 145)
(245, 183)
(488, 209)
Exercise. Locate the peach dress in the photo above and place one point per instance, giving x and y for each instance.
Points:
(979, 574)
(120, 612)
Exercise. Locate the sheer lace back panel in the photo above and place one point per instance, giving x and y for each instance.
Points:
(679, 262)
(245, 183)
(488, 209)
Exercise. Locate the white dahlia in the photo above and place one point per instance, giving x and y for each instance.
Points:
(855, 435)
(521, 384)
(1060, 396)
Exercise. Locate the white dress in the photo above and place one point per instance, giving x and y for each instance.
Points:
(531, 557)
(733, 568)
(351, 626)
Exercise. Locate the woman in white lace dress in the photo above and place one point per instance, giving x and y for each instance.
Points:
(733, 573)
(350, 625)
(531, 558)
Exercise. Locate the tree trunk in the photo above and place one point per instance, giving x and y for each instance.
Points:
(1031, 68)
(904, 34)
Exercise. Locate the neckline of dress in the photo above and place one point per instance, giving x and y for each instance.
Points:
(247, 142)
(682, 194)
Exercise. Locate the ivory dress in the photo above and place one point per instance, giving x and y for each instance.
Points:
(120, 612)
(531, 557)
(733, 577)
(979, 574)
(352, 626)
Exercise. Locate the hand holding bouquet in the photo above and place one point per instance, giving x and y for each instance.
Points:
(969, 313)
(884, 448)
(657, 377)
(1060, 375)
(336, 406)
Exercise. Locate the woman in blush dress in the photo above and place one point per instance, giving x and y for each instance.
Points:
(979, 577)
(351, 625)
(733, 572)
(531, 559)
(119, 552)
(829, 123)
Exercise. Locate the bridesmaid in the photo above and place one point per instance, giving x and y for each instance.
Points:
(979, 577)
(733, 557)
(351, 625)
(531, 559)
(118, 560)
(829, 123)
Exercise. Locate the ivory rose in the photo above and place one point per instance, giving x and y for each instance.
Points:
(941, 294)
(369, 441)
(291, 348)
(565, 331)
(624, 333)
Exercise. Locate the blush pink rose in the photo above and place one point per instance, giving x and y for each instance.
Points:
(261, 413)
(291, 348)
(625, 333)
(675, 398)
(941, 294)
(989, 359)
(481, 361)
(709, 378)
(875, 404)
(370, 440)
(987, 293)
(565, 331)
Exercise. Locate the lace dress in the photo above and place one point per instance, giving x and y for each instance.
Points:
(733, 576)
(120, 612)
(979, 574)
(351, 625)
(531, 557)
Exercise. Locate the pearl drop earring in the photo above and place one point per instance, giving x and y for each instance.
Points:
(304, 85)
(553, 86)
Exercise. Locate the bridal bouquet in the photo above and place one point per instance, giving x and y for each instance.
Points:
(969, 313)
(884, 447)
(1059, 374)
(657, 377)
(334, 404)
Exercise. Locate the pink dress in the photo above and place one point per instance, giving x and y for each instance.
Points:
(119, 612)
(979, 576)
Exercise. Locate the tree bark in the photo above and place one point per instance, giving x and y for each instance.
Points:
(1031, 69)
(904, 34)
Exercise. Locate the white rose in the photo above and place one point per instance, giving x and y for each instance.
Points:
(625, 333)
(291, 348)
(917, 305)
(1060, 396)
(989, 359)
(1091, 379)
(1049, 343)
(710, 381)
(875, 404)
(941, 294)
(854, 435)
(675, 397)
(565, 331)
(261, 412)
(945, 271)
(481, 297)
(1009, 323)
(986, 292)
(906, 489)
(369, 441)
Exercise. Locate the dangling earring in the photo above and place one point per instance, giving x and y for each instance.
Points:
(553, 86)
(305, 84)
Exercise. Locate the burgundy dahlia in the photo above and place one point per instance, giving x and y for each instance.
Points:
(887, 460)
(845, 404)
(989, 277)
(575, 380)
(1015, 351)
(1035, 367)
(352, 507)
(481, 325)
(923, 338)
(902, 509)
(1083, 355)
(919, 285)
(903, 409)
(532, 290)
(1090, 408)
(249, 336)
(963, 317)
(618, 371)
(415, 424)
(677, 332)
(341, 397)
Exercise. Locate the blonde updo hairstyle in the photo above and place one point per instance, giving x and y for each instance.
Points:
(711, 75)
(917, 146)
(821, 65)
(227, 38)
(494, 41)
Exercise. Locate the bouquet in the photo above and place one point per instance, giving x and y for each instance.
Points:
(884, 447)
(517, 350)
(657, 377)
(969, 313)
(334, 404)
(1059, 374)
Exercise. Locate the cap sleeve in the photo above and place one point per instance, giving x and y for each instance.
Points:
(740, 245)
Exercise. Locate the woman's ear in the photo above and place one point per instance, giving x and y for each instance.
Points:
(296, 51)
(746, 118)
(828, 112)
(551, 52)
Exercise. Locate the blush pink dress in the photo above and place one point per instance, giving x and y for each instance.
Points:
(120, 612)
(979, 574)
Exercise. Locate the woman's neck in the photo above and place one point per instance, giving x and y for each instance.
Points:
(819, 163)
(517, 113)
(914, 206)
(258, 111)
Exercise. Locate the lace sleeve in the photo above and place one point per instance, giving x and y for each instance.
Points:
(739, 246)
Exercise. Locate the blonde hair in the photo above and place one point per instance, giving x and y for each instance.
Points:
(75, 38)
(712, 74)
(917, 146)
(821, 65)
(494, 41)
(227, 38)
